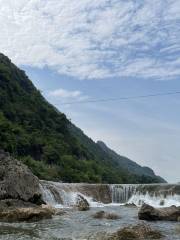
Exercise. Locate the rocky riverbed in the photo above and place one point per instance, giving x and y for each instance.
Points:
(81, 225)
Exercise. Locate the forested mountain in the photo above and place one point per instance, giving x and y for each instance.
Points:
(38, 134)
(126, 163)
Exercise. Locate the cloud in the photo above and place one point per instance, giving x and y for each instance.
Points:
(66, 95)
(91, 39)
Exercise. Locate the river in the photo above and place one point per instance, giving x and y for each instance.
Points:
(76, 225)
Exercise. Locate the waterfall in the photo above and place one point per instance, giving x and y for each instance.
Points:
(155, 200)
(162, 195)
(47, 195)
(157, 195)
(99, 195)
(122, 193)
(58, 194)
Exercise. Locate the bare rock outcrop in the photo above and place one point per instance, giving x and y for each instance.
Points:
(150, 213)
(17, 181)
(26, 214)
(82, 204)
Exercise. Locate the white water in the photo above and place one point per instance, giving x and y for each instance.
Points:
(122, 193)
(47, 195)
(66, 195)
(156, 201)
(162, 196)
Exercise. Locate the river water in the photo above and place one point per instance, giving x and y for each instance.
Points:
(75, 225)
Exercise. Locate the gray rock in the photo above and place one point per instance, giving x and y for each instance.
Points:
(17, 181)
(15, 203)
(130, 205)
(26, 214)
(105, 215)
(150, 213)
(138, 232)
(82, 204)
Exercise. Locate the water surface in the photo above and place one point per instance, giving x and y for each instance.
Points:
(76, 225)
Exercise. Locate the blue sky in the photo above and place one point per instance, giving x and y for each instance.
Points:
(81, 50)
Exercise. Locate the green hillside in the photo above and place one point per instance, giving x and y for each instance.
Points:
(35, 132)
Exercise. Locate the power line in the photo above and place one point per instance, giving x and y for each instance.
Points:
(121, 98)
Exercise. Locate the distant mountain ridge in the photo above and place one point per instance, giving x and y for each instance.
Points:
(125, 162)
(38, 134)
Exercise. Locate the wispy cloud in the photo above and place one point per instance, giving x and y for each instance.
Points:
(91, 39)
(66, 95)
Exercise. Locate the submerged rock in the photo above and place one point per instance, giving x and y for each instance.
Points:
(105, 215)
(130, 205)
(138, 232)
(82, 204)
(162, 202)
(26, 214)
(150, 213)
(17, 181)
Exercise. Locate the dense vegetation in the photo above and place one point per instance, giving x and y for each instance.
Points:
(38, 134)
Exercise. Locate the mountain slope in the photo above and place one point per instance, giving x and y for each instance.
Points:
(34, 131)
(126, 163)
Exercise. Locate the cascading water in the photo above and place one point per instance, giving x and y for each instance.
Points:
(157, 201)
(58, 194)
(122, 193)
(157, 195)
(163, 195)
(97, 195)
(47, 195)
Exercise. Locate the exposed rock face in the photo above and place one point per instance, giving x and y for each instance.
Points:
(150, 213)
(105, 215)
(82, 204)
(26, 214)
(17, 181)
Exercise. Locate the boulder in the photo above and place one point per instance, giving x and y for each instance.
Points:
(17, 181)
(26, 214)
(81, 203)
(105, 215)
(140, 231)
(150, 213)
